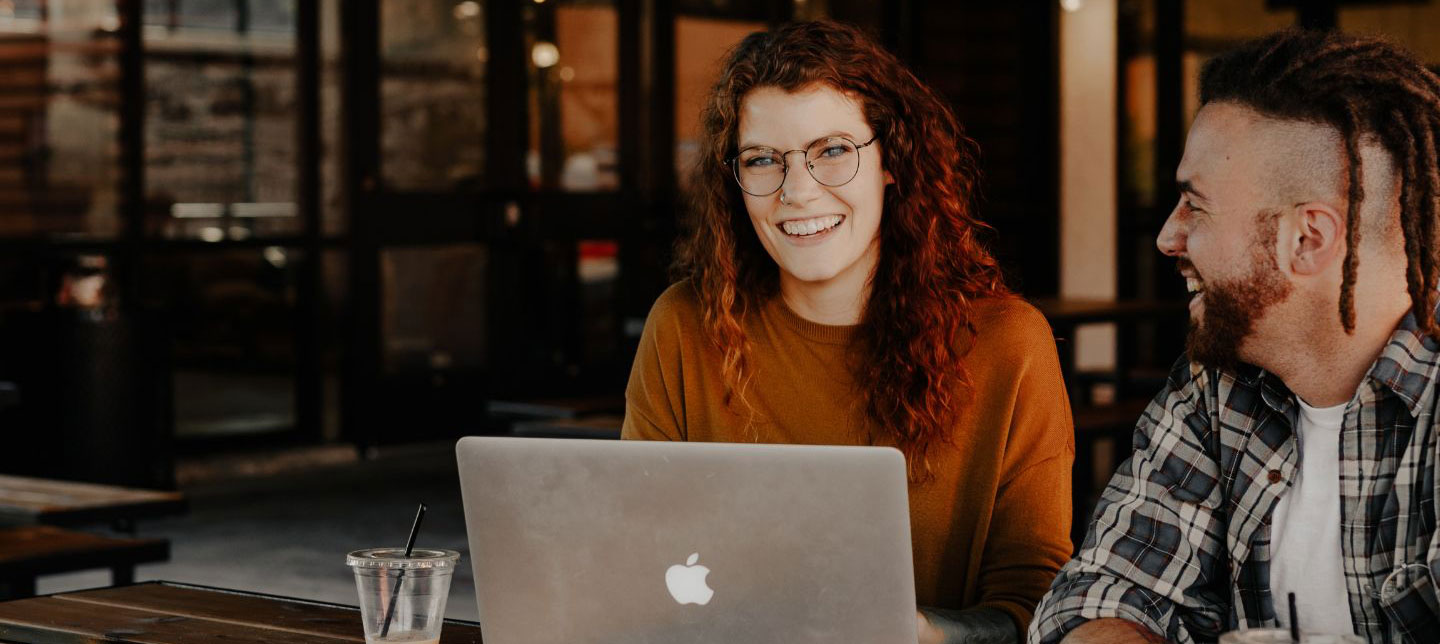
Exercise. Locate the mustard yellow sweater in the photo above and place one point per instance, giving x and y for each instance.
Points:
(991, 528)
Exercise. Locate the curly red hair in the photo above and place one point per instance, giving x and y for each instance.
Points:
(916, 326)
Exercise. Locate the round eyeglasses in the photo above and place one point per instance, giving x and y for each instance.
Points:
(832, 161)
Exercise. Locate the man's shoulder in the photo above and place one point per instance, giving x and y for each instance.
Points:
(1183, 405)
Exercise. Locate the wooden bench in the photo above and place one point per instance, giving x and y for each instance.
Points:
(555, 408)
(25, 501)
(595, 417)
(602, 427)
(27, 552)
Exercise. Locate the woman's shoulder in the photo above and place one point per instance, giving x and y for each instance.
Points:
(1009, 326)
(675, 317)
(680, 301)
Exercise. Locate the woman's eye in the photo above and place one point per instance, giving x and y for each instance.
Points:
(835, 151)
(759, 162)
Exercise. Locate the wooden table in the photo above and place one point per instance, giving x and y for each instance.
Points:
(170, 613)
(67, 503)
(1073, 311)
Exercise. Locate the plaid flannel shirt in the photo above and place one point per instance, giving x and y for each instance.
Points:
(1180, 540)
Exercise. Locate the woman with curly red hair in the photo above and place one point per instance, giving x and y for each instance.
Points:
(834, 291)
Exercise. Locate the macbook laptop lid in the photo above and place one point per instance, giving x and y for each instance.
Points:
(604, 542)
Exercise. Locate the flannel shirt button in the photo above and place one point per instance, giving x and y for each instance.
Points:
(1276, 476)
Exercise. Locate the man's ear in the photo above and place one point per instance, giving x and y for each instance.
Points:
(1317, 239)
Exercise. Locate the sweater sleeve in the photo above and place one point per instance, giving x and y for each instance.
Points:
(1029, 538)
(654, 398)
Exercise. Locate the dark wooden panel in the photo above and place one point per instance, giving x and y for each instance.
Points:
(60, 621)
(162, 613)
(298, 617)
(996, 64)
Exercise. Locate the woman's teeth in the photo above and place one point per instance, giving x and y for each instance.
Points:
(807, 227)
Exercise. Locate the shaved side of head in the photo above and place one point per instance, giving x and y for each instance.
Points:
(1304, 162)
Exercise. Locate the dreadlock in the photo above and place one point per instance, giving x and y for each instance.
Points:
(1364, 88)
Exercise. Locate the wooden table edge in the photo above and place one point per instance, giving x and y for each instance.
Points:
(243, 593)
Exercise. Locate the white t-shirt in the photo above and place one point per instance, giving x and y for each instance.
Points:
(1305, 530)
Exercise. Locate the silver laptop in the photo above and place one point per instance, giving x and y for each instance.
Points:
(604, 542)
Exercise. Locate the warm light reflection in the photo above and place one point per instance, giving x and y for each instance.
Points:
(276, 256)
(467, 9)
(545, 54)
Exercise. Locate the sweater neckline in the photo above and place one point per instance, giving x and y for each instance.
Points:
(814, 331)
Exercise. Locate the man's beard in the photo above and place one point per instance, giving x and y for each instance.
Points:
(1233, 306)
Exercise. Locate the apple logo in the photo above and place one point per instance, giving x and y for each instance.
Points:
(687, 582)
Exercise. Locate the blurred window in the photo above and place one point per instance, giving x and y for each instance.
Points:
(232, 319)
(220, 119)
(59, 119)
(333, 220)
(432, 94)
(1414, 25)
(574, 74)
(700, 44)
(1211, 26)
(433, 308)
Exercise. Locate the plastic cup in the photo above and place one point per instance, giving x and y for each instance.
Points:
(411, 590)
(1282, 636)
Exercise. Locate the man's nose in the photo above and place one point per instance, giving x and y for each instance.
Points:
(1171, 239)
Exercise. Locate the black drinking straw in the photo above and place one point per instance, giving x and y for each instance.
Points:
(1294, 621)
(410, 545)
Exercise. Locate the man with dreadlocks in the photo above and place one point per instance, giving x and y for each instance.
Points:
(1294, 450)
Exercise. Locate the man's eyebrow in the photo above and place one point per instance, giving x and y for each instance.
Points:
(1187, 187)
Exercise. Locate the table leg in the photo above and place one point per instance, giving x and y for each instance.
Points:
(122, 575)
(124, 525)
(17, 588)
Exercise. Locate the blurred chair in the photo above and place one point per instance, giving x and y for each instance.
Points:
(594, 417)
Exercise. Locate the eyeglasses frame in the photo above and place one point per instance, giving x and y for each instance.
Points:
(785, 164)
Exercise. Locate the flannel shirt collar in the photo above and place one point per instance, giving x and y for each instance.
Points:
(1408, 366)
(1272, 389)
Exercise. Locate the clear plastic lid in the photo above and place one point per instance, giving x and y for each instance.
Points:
(394, 558)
